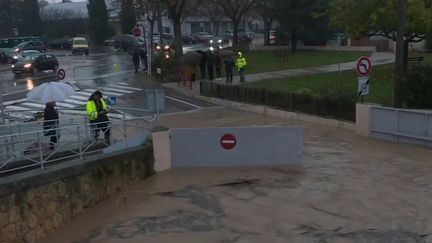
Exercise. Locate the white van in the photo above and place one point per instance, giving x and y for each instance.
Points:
(80, 44)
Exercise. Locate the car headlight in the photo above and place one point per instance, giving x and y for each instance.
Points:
(28, 65)
(13, 66)
(17, 49)
(158, 47)
(219, 41)
(167, 47)
(211, 41)
(167, 56)
(15, 57)
(211, 48)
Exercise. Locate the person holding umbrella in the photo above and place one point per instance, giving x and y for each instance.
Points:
(97, 113)
(50, 124)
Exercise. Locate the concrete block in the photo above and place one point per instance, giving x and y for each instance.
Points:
(162, 151)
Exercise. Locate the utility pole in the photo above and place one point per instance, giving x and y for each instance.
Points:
(399, 67)
(159, 22)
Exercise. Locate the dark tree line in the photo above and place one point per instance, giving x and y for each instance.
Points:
(22, 15)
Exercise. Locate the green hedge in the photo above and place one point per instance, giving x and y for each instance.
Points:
(339, 107)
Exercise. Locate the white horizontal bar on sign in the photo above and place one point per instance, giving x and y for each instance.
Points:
(33, 105)
(124, 87)
(117, 90)
(65, 105)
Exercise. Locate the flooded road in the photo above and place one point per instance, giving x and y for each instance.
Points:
(351, 189)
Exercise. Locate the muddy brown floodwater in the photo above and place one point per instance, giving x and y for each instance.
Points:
(351, 189)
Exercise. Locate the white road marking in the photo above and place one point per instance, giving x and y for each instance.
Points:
(18, 108)
(77, 102)
(117, 90)
(33, 105)
(124, 87)
(14, 101)
(79, 97)
(65, 105)
(182, 101)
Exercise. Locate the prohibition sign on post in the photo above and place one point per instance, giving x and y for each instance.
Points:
(364, 66)
(61, 74)
(228, 141)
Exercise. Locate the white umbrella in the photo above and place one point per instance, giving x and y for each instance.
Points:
(52, 91)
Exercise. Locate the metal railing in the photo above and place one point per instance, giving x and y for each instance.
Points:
(29, 146)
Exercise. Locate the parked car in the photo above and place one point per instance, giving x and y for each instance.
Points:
(6, 55)
(202, 37)
(30, 45)
(61, 43)
(23, 54)
(80, 44)
(35, 64)
(124, 42)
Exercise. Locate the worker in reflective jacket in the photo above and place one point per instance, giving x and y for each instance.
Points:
(241, 64)
(97, 113)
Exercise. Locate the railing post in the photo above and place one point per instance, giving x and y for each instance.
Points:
(125, 129)
(79, 142)
(40, 149)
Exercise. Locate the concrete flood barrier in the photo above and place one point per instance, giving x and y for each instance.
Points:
(216, 147)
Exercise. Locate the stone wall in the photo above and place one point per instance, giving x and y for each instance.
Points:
(37, 202)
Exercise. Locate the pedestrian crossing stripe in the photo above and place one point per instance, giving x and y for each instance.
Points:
(18, 108)
(33, 105)
(65, 105)
(79, 97)
(77, 102)
(124, 87)
(118, 90)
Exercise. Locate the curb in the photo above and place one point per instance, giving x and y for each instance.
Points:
(268, 111)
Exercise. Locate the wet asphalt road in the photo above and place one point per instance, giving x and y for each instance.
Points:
(98, 71)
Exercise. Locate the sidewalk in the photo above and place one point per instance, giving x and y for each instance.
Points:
(378, 58)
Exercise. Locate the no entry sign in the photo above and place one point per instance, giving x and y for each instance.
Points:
(228, 141)
(61, 74)
(364, 66)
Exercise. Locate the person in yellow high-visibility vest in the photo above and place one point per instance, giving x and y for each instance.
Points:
(97, 112)
(241, 64)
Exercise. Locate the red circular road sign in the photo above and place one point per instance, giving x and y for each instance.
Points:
(61, 74)
(364, 66)
(228, 141)
(136, 32)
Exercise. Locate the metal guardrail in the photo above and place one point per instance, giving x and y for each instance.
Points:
(27, 145)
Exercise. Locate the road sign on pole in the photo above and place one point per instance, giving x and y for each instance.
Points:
(363, 86)
(228, 141)
(112, 100)
(364, 66)
(61, 74)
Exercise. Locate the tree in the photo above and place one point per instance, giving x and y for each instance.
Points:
(31, 21)
(297, 17)
(265, 9)
(127, 16)
(177, 10)
(235, 10)
(98, 20)
(60, 23)
(9, 16)
(214, 13)
(382, 17)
